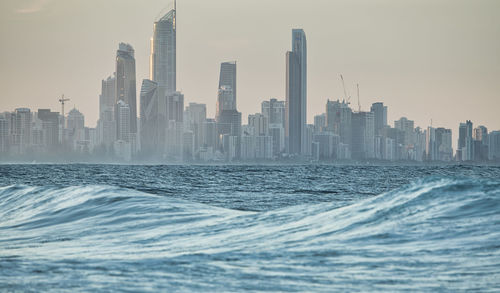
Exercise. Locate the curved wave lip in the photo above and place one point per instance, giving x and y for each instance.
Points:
(433, 234)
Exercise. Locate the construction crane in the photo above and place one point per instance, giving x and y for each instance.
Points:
(62, 100)
(346, 97)
(359, 103)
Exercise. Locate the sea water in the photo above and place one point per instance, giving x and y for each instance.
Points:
(249, 228)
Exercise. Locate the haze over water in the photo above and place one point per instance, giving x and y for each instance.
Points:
(425, 59)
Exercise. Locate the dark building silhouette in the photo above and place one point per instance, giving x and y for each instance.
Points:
(296, 94)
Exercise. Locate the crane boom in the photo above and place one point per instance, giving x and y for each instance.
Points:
(346, 97)
(62, 100)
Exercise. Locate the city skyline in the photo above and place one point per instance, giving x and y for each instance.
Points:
(405, 85)
(250, 145)
(170, 132)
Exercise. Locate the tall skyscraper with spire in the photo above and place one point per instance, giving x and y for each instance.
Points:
(162, 83)
(163, 63)
(296, 94)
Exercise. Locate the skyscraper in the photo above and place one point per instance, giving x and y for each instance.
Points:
(163, 62)
(153, 119)
(444, 145)
(296, 94)
(275, 111)
(174, 136)
(126, 85)
(4, 134)
(21, 130)
(106, 125)
(481, 134)
(480, 142)
(339, 120)
(431, 146)
(227, 116)
(162, 82)
(107, 98)
(363, 135)
(76, 128)
(319, 123)
(380, 114)
(175, 106)
(225, 100)
(209, 134)
(50, 128)
(260, 123)
(123, 116)
(195, 116)
(227, 80)
(465, 149)
(494, 146)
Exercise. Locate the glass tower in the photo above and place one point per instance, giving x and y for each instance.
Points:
(296, 94)
(163, 53)
(126, 85)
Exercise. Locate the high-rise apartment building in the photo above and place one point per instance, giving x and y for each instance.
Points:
(296, 94)
(380, 116)
(153, 120)
(465, 149)
(75, 128)
(126, 85)
(123, 119)
(195, 116)
(339, 120)
(225, 100)
(174, 137)
(444, 144)
(106, 126)
(494, 146)
(227, 80)
(481, 134)
(260, 123)
(319, 123)
(274, 110)
(50, 128)
(209, 134)
(227, 116)
(4, 134)
(363, 135)
(21, 130)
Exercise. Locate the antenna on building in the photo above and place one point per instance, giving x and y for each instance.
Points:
(359, 103)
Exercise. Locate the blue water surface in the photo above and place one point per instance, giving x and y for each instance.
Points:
(309, 228)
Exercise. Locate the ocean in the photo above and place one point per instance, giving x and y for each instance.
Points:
(310, 228)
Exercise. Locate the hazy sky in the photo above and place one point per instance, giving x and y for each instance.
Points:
(425, 59)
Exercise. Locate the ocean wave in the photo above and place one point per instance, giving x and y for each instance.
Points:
(447, 228)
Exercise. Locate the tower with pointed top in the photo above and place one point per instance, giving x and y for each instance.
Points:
(158, 92)
(163, 64)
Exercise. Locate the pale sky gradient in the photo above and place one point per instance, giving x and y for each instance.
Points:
(425, 59)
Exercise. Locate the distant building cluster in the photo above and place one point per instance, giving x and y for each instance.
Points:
(167, 131)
